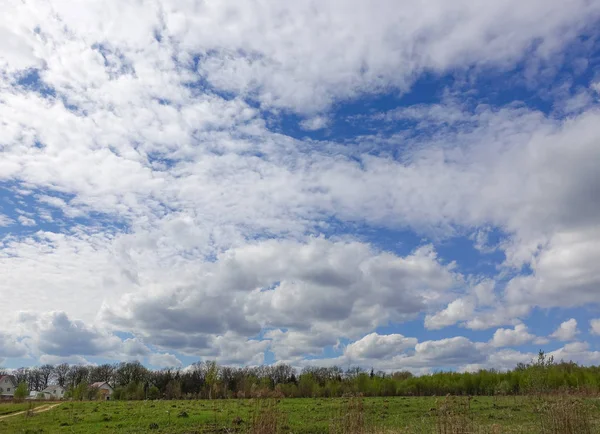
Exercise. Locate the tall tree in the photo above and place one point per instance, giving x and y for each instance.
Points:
(61, 372)
(212, 375)
(46, 373)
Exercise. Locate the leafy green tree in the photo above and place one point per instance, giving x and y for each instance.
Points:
(153, 392)
(21, 391)
(212, 375)
(80, 392)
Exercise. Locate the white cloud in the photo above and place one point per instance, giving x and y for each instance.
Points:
(10, 346)
(175, 189)
(56, 334)
(26, 221)
(134, 348)
(396, 352)
(294, 345)
(512, 338)
(375, 346)
(299, 65)
(165, 360)
(504, 359)
(71, 360)
(595, 326)
(318, 286)
(5, 220)
(314, 123)
(577, 352)
(458, 310)
(566, 331)
(447, 352)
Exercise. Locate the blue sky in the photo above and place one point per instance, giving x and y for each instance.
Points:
(400, 186)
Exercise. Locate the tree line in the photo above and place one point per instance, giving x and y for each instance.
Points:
(132, 380)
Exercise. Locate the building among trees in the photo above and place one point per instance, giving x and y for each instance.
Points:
(8, 385)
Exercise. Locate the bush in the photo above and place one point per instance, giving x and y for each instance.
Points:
(153, 392)
(21, 391)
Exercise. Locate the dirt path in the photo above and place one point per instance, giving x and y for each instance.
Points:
(36, 410)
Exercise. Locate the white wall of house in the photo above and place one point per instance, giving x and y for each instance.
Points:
(7, 387)
(107, 388)
(54, 392)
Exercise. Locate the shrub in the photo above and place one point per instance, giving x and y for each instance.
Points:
(21, 391)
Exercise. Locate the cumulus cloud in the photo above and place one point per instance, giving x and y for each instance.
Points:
(396, 352)
(375, 346)
(577, 352)
(165, 360)
(56, 334)
(447, 352)
(504, 359)
(163, 193)
(515, 337)
(316, 287)
(10, 346)
(134, 348)
(458, 310)
(71, 360)
(566, 331)
(595, 326)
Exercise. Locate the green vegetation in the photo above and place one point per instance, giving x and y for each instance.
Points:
(21, 391)
(317, 415)
(9, 407)
(540, 397)
(208, 380)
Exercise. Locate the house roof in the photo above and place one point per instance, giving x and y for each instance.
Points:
(99, 384)
(52, 388)
(12, 378)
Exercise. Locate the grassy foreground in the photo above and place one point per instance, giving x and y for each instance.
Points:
(10, 408)
(321, 415)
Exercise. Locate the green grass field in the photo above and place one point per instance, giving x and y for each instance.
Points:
(9, 407)
(383, 415)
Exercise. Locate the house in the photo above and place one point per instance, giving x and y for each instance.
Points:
(35, 395)
(54, 392)
(104, 389)
(8, 384)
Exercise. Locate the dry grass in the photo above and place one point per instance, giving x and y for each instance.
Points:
(351, 419)
(267, 418)
(454, 416)
(565, 415)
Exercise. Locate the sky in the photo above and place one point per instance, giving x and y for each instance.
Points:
(390, 184)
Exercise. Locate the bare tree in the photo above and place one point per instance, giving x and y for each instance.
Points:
(60, 372)
(21, 375)
(103, 372)
(132, 372)
(46, 373)
(77, 374)
(34, 379)
(281, 373)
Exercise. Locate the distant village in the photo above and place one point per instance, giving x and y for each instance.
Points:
(8, 390)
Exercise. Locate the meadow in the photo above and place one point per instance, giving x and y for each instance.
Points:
(10, 407)
(442, 415)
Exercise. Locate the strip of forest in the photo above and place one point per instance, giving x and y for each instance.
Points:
(208, 380)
